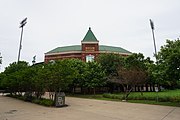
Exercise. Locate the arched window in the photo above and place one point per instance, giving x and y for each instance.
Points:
(89, 58)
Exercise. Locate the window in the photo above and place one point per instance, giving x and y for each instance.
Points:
(89, 58)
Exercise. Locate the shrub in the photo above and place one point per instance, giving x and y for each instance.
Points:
(45, 102)
(42, 101)
(36, 101)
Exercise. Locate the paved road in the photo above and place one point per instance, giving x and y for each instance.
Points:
(85, 109)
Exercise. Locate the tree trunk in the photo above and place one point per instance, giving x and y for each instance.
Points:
(127, 92)
(94, 90)
(55, 97)
(141, 90)
(74, 89)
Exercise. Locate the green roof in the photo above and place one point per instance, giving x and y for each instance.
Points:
(89, 37)
(112, 49)
(78, 48)
(66, 49)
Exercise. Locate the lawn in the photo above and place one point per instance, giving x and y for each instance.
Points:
(165, 97)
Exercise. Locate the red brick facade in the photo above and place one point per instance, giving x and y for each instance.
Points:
(86, 49)
(61, 56)
(89, 49)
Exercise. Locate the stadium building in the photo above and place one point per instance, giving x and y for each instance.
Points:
(87, 51)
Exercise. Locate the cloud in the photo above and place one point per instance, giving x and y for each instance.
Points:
(123, 23)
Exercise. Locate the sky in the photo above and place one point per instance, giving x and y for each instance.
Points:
(56, 23)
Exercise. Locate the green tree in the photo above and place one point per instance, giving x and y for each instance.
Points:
(133, 73)
(110, 62)
(2, 76)
(169, 63)
(80, 68)
(38, 80)
(14, 75)
(59, 75)
(95, 76)
(131, 77)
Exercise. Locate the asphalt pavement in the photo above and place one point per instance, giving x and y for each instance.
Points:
(85, 109)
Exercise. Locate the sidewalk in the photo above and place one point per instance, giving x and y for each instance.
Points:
(85, 109)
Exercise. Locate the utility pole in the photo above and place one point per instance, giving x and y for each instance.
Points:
(22, 24)
(152, 27)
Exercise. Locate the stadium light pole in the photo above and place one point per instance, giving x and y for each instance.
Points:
(0, 60)
(152, 27)
(22, 24)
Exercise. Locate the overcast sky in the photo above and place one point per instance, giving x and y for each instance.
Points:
(56, 23)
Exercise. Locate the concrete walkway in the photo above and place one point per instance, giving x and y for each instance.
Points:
(85, 109)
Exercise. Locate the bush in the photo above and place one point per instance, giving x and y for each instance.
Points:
(42, 101)
(46, 102)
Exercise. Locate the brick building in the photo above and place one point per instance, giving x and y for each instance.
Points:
(87, 51)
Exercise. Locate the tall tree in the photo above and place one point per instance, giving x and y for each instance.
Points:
(95, 76)
(60, 74)
(38, 79)
(131, 77)
(14, 76)
(1, 79)
(133, 73)
(169, 63)
(110, 62)
(80, 68)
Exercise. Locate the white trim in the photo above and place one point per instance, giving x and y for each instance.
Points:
(59, 53)
(115, 52)
(90, 52)
(82, 42)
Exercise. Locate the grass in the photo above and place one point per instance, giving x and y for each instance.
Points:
(152, 102)
(97, 97)
(166, 97)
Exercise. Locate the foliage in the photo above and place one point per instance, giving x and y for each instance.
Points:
(130, 70)
(169, 63)
(14, 75)
(38, 80)
(155, 74)
(95, 76)
(2, 75)
(60, 74)
(134, 72)
(132, 76)
(41, 101)
(110, 62)
(80, 68)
